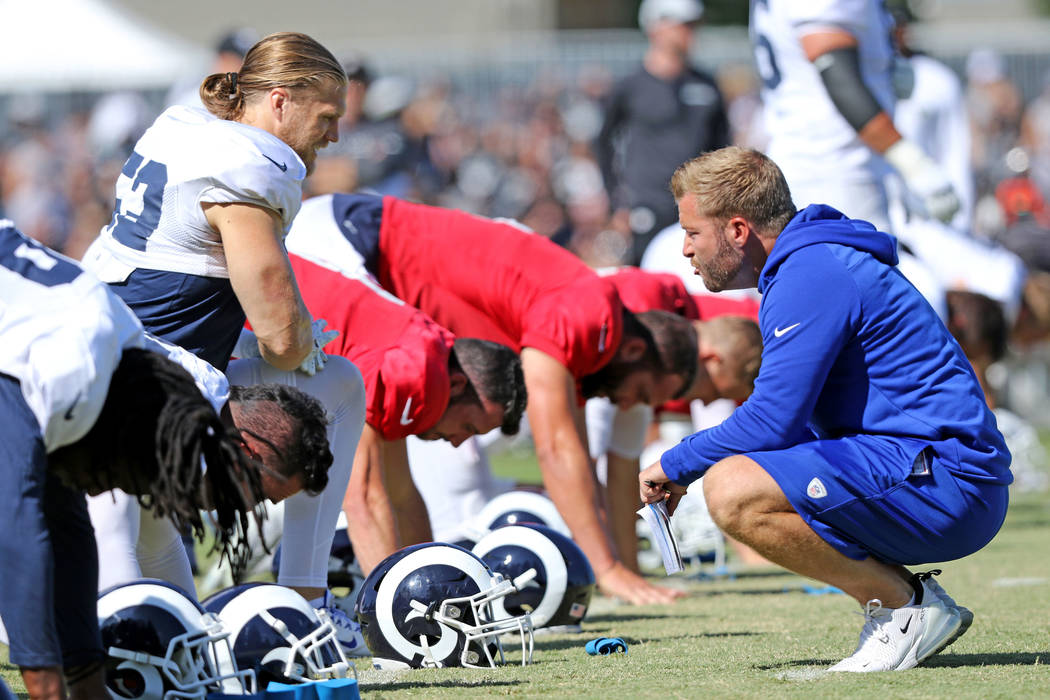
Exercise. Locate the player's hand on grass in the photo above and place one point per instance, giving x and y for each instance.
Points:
(654, 486)
(619, 582)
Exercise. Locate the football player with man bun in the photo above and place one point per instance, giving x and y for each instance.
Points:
(490, 279)
(195, 248)
(419, 380)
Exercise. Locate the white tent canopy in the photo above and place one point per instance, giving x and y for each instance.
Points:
(62, 45)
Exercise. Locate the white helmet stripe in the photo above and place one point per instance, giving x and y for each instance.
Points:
(427, 556)
(549, 554)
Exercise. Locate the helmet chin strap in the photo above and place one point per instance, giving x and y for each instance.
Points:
(426, 612)
(428, 656)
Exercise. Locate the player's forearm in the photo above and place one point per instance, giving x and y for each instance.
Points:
(621, 494)
(410, 512)
(836, 57)
(372, 530)
(262, 278)
(369, 514)
(281, 320)
(879, 133)
(413, 522)
(571, 485)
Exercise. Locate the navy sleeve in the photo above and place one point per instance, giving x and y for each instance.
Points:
(807, 316)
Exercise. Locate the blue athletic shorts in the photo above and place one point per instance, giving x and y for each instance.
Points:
(200, 314)
(48, 559)
(889, 498)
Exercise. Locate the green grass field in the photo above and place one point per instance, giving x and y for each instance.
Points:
(756, 634)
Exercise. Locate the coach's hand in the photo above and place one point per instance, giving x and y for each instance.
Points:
(654, 486)
(619, 582)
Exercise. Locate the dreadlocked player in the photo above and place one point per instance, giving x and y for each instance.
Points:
(86, 409)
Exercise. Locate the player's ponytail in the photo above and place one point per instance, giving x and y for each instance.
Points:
(222, 95)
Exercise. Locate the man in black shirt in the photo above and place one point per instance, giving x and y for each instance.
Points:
(659, 116)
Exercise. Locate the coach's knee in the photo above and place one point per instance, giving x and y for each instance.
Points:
(723, 494)
(740, 493)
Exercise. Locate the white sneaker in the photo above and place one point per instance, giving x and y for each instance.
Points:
(895, 640)
(347, 631)
(965, 614)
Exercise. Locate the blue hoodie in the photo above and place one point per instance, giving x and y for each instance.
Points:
(850, 347)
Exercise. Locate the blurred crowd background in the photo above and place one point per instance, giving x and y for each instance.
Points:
(514, 132)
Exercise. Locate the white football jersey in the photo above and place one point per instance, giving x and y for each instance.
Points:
(212, 383)
(936, 117)
(189, 157)
(806, 132)
(63, 335)
(319, 237)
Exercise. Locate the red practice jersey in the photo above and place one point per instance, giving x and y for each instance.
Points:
(402, 354)
(711, 305)
(483, 278)
(642, 290)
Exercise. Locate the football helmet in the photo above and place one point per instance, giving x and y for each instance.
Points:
(161, 645)
(276, 633)
(431, 605)
(561, 591)
(514, 507)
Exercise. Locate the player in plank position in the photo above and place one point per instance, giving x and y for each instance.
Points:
(729, 350)
(490, 279)
(87, 408)
(419, 380)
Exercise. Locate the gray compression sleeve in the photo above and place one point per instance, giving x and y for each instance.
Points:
(840, 71)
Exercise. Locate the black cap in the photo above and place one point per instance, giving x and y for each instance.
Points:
(237, 41)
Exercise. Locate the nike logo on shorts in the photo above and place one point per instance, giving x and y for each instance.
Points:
(282, 166)
(405, 420)
(781, 331)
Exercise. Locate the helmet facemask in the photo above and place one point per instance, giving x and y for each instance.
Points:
(479, 627)
(190, 666)
(317, 655)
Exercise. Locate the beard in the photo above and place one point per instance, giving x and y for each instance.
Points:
(722, 269)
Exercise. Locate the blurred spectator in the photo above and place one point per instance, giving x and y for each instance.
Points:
(657, 118)
(740, 87)
(229, 55)
(994, 102)
(382, 137)
(1025, 223)
(1035, 134)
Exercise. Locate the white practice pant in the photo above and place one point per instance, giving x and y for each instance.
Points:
(455, 484)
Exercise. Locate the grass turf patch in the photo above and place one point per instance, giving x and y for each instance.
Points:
(756, 634)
